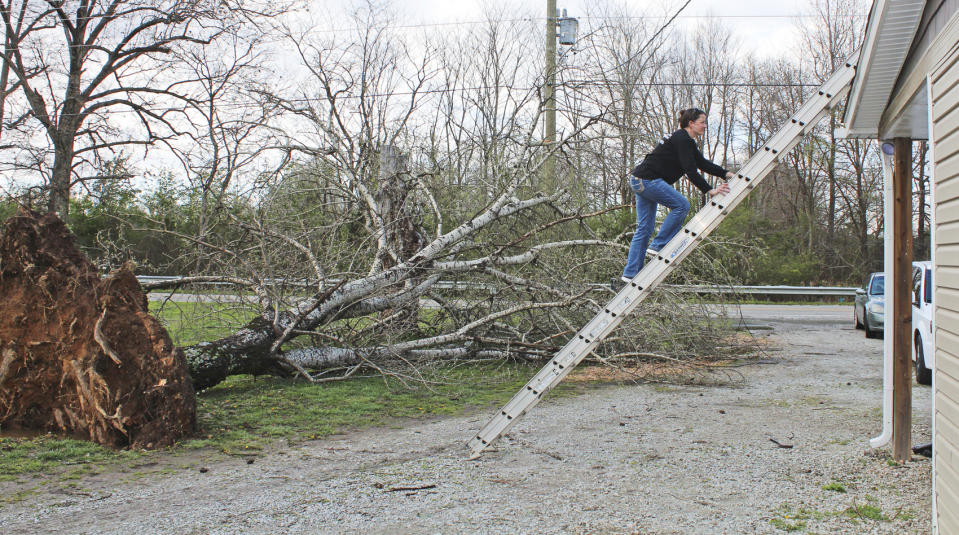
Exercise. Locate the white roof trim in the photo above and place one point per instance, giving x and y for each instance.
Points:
(889, 34)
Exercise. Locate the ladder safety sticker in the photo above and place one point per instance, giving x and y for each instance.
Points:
(680, 248)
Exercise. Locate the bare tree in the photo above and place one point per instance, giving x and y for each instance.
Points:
(230, 133)
(921, 188)
(716, 73)
(791, 192)
(861, 194)
(621, 57)
(13, 33)
(760, 113)
(361, 240)
(100, 76)
(827, 43)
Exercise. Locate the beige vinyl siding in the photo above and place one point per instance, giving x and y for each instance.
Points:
(946, 256)
(935, 17)
(949, 211)
(945, 113)
(947, 521)
(950, 188)
(948, 277)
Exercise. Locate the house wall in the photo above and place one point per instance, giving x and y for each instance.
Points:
(937, 31)
(945, 118)
(934, 18)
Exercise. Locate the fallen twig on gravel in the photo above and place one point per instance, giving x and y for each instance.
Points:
(780, 444)
(541, 451)
(400, 489)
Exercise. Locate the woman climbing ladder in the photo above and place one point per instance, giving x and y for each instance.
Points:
(652, 182)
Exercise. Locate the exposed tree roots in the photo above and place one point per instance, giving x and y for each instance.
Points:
(81, 355)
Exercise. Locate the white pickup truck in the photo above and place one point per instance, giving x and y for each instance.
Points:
(923, 352)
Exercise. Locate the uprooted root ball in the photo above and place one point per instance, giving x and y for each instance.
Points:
(81, 355)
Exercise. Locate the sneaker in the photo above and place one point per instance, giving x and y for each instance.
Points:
(651, 253)
(617, 284)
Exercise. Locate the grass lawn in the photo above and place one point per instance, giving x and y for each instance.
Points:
(190, 323)
(245, 414)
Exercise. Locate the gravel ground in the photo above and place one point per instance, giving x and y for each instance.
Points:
(620, 459)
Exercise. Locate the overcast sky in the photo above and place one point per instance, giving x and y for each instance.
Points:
(764, 28)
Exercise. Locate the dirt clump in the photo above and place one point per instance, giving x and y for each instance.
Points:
(79, 354)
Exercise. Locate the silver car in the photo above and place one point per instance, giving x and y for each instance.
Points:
(870, 306)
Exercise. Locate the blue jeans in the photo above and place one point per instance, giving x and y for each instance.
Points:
(650, 193)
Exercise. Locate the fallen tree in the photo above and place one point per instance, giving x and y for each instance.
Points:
(518, 292)
(340, 251)
(378, 297)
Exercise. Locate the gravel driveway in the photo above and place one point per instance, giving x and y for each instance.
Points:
(621, 459)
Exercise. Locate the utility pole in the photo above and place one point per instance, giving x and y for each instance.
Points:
(568, 27)
(549, 93)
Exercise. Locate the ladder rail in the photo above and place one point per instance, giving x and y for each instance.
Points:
(657, 269)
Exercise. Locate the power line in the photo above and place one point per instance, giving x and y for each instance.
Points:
(690, 84)
(533, 19)
(543, 19)
(573, 83)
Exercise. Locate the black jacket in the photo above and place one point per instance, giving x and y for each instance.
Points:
(675, 156)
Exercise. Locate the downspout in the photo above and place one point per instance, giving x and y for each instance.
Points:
(935, 281)
(886, 150)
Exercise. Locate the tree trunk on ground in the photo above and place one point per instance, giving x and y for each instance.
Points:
(246, 351)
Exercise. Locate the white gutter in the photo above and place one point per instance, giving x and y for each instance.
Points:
(935, 281)
(888, 258)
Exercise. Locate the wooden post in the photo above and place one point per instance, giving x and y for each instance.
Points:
(899, 319)
(549, 93)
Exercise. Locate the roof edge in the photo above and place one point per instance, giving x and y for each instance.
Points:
(865, 61)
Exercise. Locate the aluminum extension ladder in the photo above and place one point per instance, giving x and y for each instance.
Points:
(655, 271)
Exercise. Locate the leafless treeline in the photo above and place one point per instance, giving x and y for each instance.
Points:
(369, 162)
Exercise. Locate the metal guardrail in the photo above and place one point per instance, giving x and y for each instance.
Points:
(842, 291)
(773, 290)
(156, 278)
